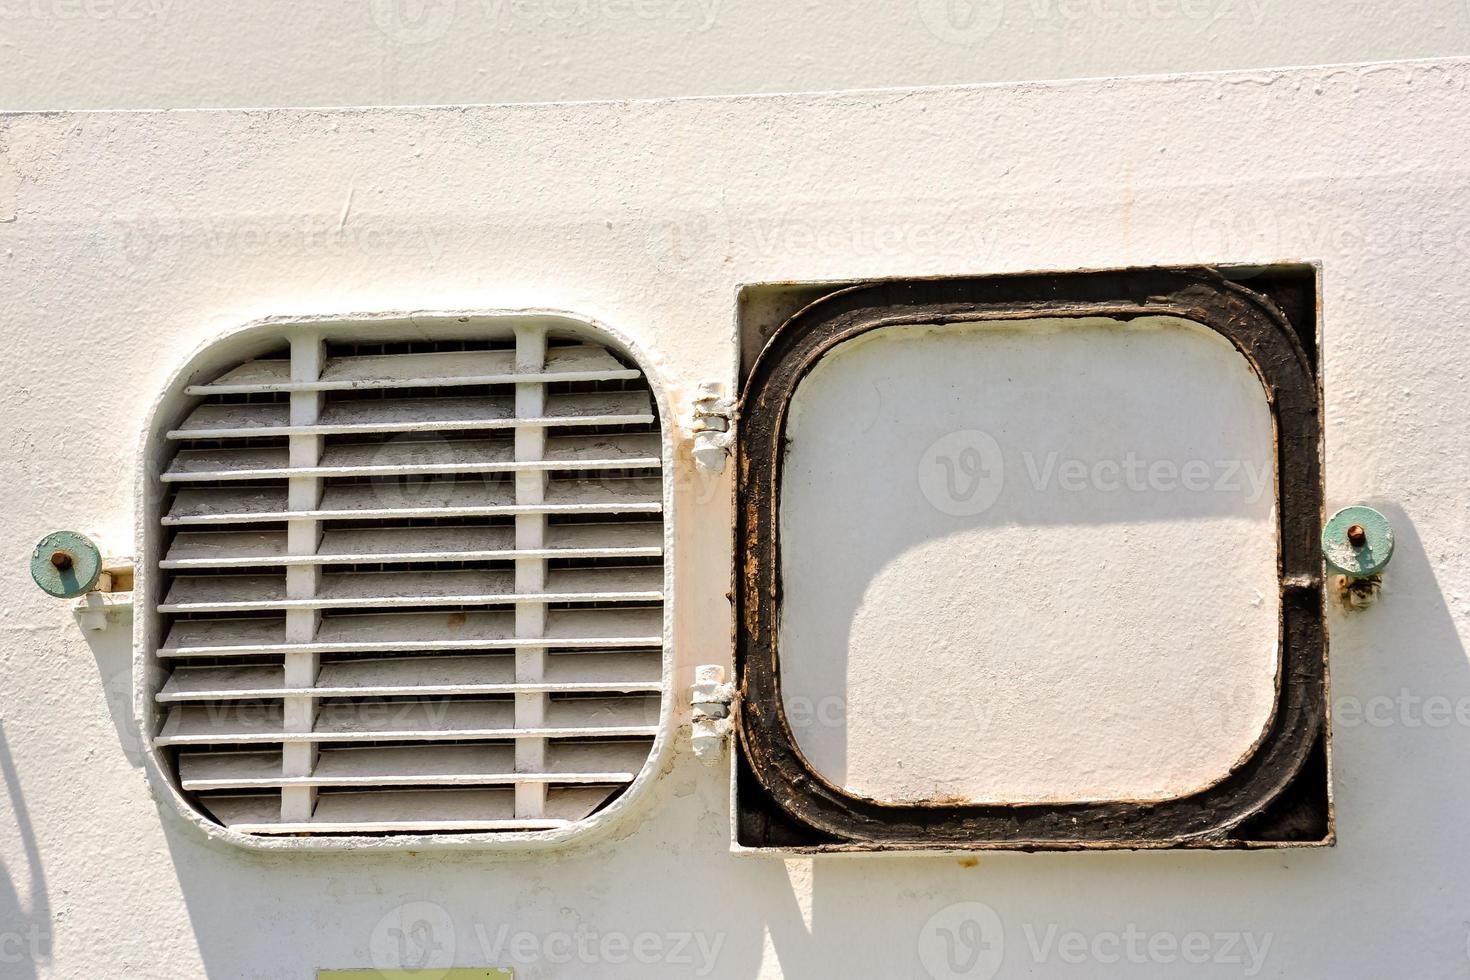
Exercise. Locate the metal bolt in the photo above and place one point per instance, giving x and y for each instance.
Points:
(1357, 541)
(66, 564)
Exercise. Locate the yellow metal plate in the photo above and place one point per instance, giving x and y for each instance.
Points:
(456, 973)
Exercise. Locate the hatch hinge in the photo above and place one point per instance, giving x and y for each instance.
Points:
(712, 702)
(713, 426)
(71, 565)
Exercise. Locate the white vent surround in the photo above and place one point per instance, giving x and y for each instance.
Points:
(407, 580)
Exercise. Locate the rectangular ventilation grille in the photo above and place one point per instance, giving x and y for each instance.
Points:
(413, 588)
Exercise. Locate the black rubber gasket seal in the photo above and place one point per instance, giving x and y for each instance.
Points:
(1258, 329)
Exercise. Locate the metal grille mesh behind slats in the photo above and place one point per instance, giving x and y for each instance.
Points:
(412, 587)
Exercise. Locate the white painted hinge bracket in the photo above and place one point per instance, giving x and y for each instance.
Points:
(712, 702)
(713, 425)
(92, 609)
(112, 593)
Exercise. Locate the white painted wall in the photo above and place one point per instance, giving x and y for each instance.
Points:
(140, 54)
(127, 239)
(984, 540)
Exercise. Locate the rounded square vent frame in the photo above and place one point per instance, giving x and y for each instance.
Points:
(256, 337)
(1278, 796)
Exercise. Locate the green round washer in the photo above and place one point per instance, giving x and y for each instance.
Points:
(66, 564)
(1357, 541)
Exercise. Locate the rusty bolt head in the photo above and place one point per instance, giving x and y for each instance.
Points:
(66, 564)
(1357, 541)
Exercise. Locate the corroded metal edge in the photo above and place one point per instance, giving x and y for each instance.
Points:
(1263, 335)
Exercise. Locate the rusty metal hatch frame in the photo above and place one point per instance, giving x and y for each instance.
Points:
(784, 801)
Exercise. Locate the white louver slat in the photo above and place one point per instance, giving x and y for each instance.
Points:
(437, 369)
(439, 765)
(251, 420)
(412, 587)
(467, 674)
(411, 458)
(406, 811)
(366, 721)
(367, 501)
(245, 549)
(387, 590)
(570, 628)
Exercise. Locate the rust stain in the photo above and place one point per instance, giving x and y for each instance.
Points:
(796, 807)
(456, 620)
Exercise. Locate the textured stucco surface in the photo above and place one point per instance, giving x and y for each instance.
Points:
(134, 237)
(149, 54)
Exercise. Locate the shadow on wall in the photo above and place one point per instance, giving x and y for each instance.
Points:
(112, 649)
(661, 897)
(1025, 494)
(1397, 898)
(25, 933)
(665, 898)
